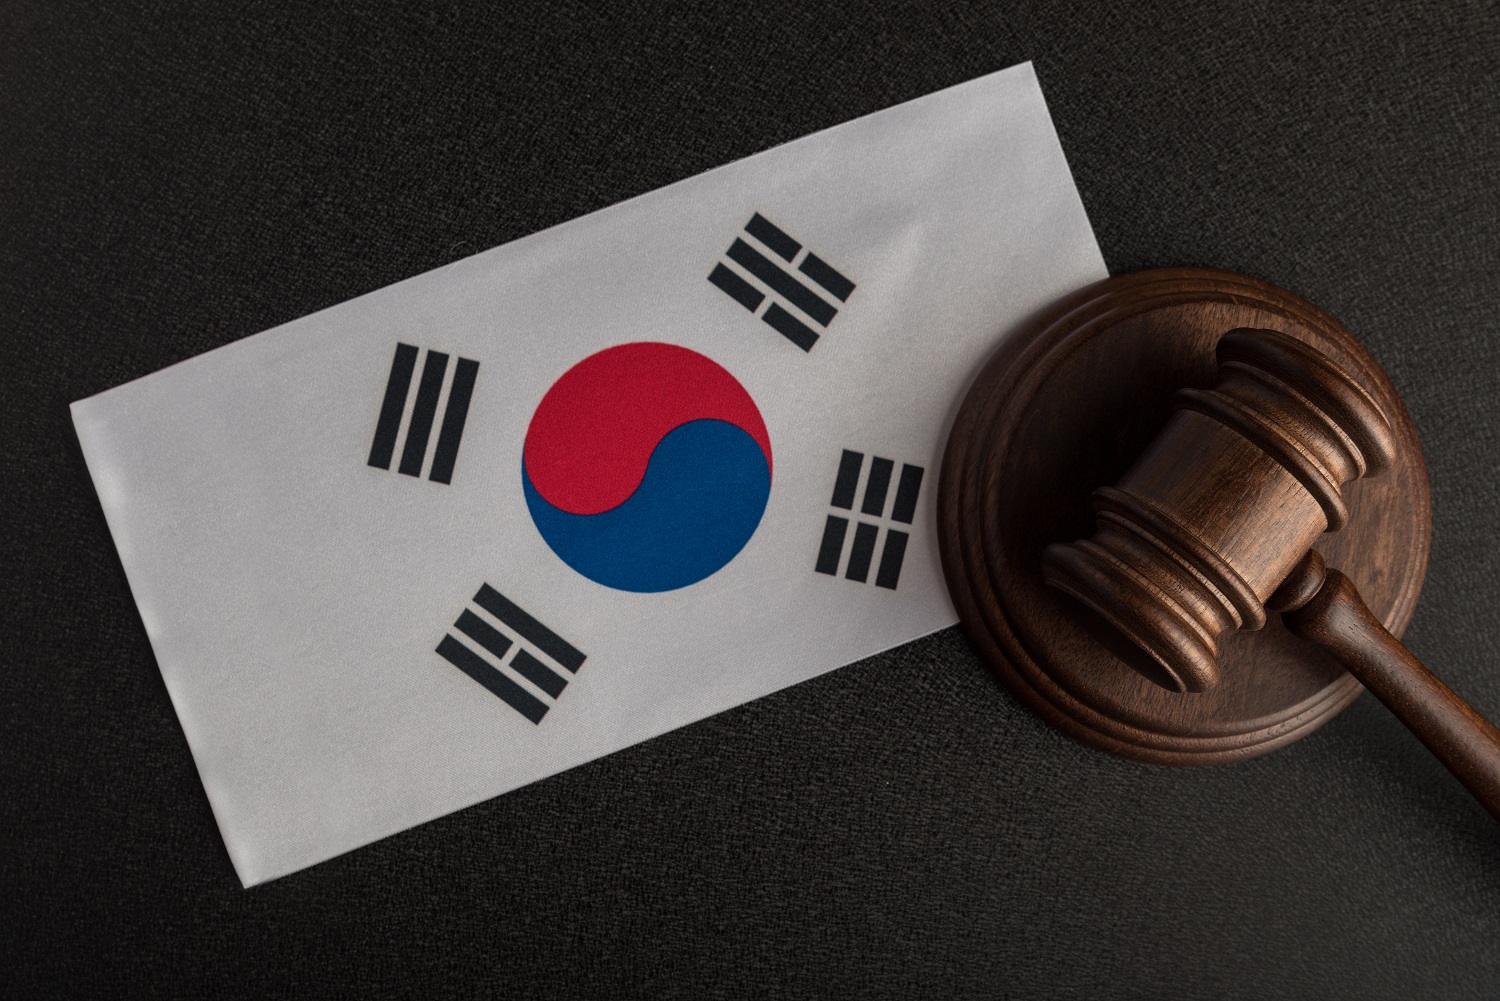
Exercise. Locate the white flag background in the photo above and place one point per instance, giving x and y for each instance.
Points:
(296, 595)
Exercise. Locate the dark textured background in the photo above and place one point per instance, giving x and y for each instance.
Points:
(171, 181)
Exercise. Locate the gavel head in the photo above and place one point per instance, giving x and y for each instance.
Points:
(1222, 505)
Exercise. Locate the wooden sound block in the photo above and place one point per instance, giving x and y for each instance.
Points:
(1065, 406)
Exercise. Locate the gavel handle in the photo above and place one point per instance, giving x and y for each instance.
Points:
(1323, 606)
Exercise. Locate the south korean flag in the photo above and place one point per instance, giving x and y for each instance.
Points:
(511, 515)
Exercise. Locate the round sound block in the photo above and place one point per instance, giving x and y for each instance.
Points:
(1065, 406)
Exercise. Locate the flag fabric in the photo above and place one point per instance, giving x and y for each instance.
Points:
(505, 517)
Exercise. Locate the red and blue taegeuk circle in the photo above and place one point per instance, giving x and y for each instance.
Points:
(647, 467)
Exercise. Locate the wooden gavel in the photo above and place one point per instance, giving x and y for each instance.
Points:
(1216, 522)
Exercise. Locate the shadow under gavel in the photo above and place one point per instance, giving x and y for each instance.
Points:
(1216, 521)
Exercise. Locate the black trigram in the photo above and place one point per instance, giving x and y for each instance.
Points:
(790, 291)
(423, 412)
(872, 512)
(541, 675)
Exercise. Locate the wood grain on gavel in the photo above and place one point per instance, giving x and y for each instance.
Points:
(1218, 517)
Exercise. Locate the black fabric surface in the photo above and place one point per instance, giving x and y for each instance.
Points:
(172, 180)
